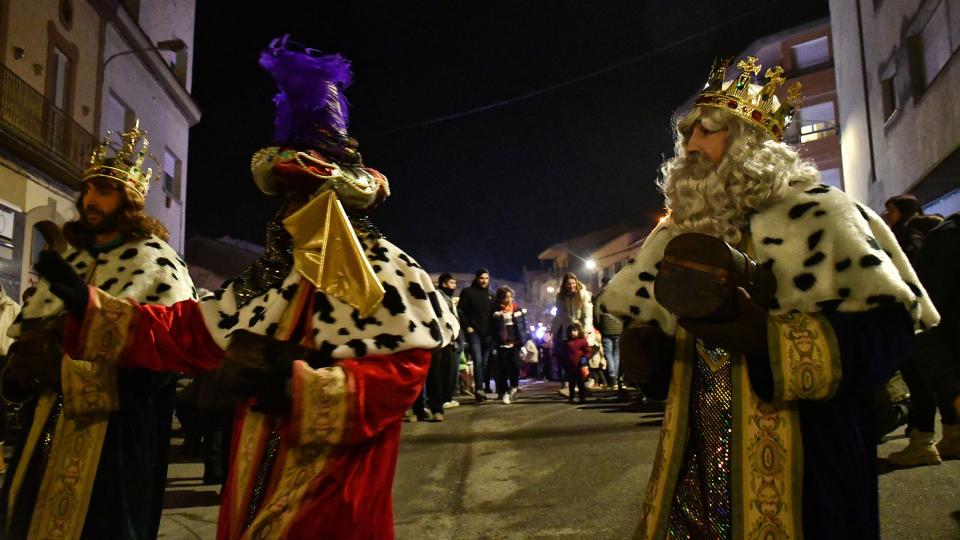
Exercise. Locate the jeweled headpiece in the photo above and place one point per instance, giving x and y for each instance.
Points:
(752, 102)
(126, 165)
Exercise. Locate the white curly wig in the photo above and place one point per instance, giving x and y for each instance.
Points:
(717, 199)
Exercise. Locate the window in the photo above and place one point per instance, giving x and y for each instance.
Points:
(817, 121)
(888, 90)
(59, 73)
(117, 117)
(811, 53)
(171, 175)
(831, 177)
(933, 44)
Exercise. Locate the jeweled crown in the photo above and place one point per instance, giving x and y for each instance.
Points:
(748, 100)
(126, 165)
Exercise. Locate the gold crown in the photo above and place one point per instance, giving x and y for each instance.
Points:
(749, 101)
(126, 165)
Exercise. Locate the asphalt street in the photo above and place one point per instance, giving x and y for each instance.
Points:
(542, 468)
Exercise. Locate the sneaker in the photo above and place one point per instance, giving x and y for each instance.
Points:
(437, 417)
(480, 396)
(426, 416)
(949, 445)
(590, 383)
(565, 392)
(506, 399)
(919, 451)
(513, 391)
(451, 404)
(408, 416)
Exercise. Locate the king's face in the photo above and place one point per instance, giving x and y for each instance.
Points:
(711, 144)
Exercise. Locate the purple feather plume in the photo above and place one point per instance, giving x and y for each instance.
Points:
(310, 97)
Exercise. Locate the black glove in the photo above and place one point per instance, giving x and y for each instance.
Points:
(268, 387)
(747, 333)
(64, 281)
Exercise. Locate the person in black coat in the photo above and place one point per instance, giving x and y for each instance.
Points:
(476, 306)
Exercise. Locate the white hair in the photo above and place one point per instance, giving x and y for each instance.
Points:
(717, 199)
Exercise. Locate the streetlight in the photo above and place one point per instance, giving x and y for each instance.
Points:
(590, 264)
(172, 45)
(551, 289)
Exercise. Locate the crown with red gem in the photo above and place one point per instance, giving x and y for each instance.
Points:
(126, 165)
(754, 103)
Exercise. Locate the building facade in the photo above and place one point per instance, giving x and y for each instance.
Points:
(62, 62)
(897, 80)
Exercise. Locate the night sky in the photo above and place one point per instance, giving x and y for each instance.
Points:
(586, 95)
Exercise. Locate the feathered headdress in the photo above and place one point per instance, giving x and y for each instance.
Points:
(311, 110)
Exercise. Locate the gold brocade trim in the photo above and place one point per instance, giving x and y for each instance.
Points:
(89, 395)
(766, 463)
(671, 446)
(254, 430)
(45, 404)
(804, 357)
(320, 408)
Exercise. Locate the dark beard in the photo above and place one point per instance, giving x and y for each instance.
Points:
(108, 222)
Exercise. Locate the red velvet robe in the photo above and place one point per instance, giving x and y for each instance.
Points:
(334, 471)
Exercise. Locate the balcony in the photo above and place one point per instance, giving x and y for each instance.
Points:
(40, 133)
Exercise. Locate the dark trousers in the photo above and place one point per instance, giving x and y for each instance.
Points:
(478, 347)
(923, 400)
(508, 369)
(439, 380)
(217, 428)
(575, 380)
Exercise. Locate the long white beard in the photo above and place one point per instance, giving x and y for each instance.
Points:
(700, 201)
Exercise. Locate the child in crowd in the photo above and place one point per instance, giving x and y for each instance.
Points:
(509, 326)
(573, 352)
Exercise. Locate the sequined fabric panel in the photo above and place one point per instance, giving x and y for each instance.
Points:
(263, 474)
(701, 501)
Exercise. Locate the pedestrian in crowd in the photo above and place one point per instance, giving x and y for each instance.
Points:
(769, 425)
(598, 369)
(448, 286)
(445, 361)
(509, 326)
(574, 306)
(910, 226)
(904, 215)
(9, 309)
(325, 347)
(476, 306)
(610, 329)
(574, 353)
(931, 370)
(110, 428)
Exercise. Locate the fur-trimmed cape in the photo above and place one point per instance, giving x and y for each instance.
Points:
(828, 252)
(148, 271)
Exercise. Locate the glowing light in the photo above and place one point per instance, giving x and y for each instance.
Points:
(590, 264)
(553, 311)
(540, 332)
(551, 290)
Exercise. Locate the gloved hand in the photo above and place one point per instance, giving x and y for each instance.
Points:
(645, 351)
(64, 281)
(272, 396)
(34, 362)
(747, 333)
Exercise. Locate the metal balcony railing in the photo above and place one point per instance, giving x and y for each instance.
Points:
(36, 118)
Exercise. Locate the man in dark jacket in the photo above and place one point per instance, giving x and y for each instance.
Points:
(938, 265)
(476, 307)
